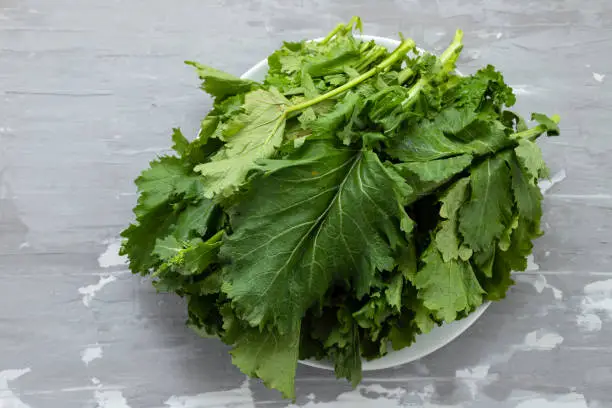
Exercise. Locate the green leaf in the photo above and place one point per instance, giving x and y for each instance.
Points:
(197, 220)
(340, 121)
(168, 247)
(483, 262)
(203, 315)
(204, 145)
(325, 213)
(180, 142)
(447, 288)
(530, 157)
(268, 356)
(551, 124)
(425, 177)
(185, 258)
(393, 292)
(199, 256)
(506, 239)
(373, 315)
(526, 193)
(484, 91)
(401, 337)
(447, 238)
(220, 84)
(347, 360)
(232, 327)
(166, 177)
(140, 237)
(423, 320)
(403, 330)
(488, 212)
(262, 133)
(426, 141)
(211, 284)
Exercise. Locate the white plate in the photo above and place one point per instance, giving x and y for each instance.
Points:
(426, 343)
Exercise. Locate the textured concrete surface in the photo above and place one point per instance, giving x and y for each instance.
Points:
(89, 91)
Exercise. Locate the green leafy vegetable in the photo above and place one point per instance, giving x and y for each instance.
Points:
(354, 199)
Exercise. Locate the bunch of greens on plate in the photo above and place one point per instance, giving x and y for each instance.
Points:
(355, 198)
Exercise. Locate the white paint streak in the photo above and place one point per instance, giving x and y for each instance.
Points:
(589, 322)
(546, 185)
(8, 399)
(597, 299)
(486, 35)
(421, 369)
(475, 377)
(572, 400)
(111, 256)
(531, 265)
(129, 152)
(523, 89)
(542, 340)
(588, 197)
(540, 283)
(377, 396)
(90, 291)
(383, 398)
(24, 245)
(110, 399)
(236, 398)
(91, 353)
(598, 77)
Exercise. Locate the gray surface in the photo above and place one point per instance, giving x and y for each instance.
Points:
(89, 90)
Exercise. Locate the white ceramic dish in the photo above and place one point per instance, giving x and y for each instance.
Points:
(426, 343)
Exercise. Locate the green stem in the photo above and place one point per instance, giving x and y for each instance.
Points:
(453, 49)
(534, 132)
(395, 56)
(333, 32)
(447, 61)
(343, 28)
(364, 47)
(405, 75)
(215, 238)
(371, 57)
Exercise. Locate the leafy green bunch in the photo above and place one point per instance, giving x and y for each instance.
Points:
(352, 200)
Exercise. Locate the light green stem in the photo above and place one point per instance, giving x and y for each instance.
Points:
(333, 32)
(534, 132)
(374, 54)
(215, 238)
(451, 52)
(343, 28)
(395, 56)
(453, 49)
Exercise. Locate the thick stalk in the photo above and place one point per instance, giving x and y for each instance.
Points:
(371, 57)
(453, 49)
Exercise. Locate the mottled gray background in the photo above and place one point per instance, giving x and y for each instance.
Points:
(89, 91)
